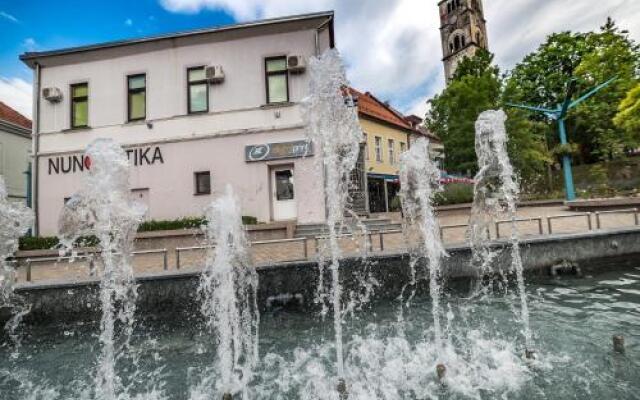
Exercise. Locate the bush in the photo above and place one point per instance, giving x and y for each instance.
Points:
(166, 225)
(50, 242)
(454, 193)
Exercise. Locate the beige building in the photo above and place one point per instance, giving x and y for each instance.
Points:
(15, 146)
(463, 31)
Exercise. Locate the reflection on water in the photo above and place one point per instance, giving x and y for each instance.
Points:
(575, 320)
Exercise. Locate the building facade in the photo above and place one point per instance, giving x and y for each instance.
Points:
(15, 148)
(463, 31)
(387, 134)
(194, 111)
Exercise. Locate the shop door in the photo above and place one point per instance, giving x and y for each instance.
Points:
(283, 192)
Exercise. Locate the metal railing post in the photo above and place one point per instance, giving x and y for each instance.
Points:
(597, 220)
(497, 230)
(29, 270)
(381, 240)
(540, 229)
(165, 259)
(304, 245)
(549, 228)
(635, 216)
(177, 258)
(589, 221)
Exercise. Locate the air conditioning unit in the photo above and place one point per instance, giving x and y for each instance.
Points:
(52, 94)
(215, 74)
(296, 64)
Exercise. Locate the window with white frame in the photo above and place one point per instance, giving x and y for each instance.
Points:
(403, 147)
(392, 151)
(378, 149)
(366, 146)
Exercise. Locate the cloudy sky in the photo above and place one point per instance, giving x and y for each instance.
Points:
(391, 47)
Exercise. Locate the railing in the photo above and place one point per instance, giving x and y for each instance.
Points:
(578, 215)
(446, 227)
(88, 256)
(190, 248)
(633, 211)
(514, 220)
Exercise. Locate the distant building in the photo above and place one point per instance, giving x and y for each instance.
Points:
(194, 111)
(463, 31)
(387, 134)
(15, 146)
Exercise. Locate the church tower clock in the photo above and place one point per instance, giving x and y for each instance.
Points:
(463, 31)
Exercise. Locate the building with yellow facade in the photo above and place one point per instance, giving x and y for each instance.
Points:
(387, 134)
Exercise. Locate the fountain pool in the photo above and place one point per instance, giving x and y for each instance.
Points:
(576, 318)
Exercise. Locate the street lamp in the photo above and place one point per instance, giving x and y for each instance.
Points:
(560, 115)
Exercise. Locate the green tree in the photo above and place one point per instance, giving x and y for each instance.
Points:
(612, 53)
(628, 116)
(474, 88)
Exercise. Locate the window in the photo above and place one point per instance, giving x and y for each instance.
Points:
(277, 80)
(80, 105)
(403, 147)
(392, 151)
(198, 90)
(203, 182)
(137, 97)
(284, 185)
(378, 149)
(366, 147)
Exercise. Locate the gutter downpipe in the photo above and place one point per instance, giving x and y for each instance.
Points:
(36, 149)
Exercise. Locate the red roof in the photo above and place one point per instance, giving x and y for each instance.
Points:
(370, 106)
(10, 115)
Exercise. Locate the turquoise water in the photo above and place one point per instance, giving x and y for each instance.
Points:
(573, 320)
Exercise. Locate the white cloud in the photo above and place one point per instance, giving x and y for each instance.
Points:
(392, 47)
(16, 93)
(128, 22)
(30, 44)
(8, 16)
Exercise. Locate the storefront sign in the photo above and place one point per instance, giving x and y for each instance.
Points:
(275, 151)
(80, 162)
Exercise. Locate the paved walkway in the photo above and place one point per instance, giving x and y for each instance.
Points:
(295, 250)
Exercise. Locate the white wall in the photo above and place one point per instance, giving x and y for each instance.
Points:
(14, 161)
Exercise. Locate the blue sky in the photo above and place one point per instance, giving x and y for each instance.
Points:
(391, 47)
(37, 25)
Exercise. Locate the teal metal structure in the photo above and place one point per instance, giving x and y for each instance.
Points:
(560, 115)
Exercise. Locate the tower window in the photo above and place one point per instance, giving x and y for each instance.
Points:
(456, 43)
(463, 41)
(451, 47)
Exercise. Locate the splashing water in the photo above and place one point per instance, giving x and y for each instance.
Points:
(103, 207)
(496, 191)
(229, 287)
(15, 220)
(332, 125)
(419, 182)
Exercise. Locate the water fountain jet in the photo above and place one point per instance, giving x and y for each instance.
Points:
(496, 191)
(103, 207)
(229, 289)
(15, 220)
(333, 127)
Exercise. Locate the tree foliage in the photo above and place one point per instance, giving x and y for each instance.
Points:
(476, 87)
(541, 79)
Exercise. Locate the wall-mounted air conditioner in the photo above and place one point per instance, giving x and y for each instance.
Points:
(296, 64)
(215, 74)
(52, 94)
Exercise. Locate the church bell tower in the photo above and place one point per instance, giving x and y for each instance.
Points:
(463, 31)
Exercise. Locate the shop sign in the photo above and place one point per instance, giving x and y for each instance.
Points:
(276, 151)
(79, 162)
